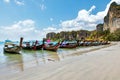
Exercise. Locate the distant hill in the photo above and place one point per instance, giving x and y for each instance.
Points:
(69, 35)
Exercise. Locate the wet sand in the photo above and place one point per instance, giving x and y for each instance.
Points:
(102, 64)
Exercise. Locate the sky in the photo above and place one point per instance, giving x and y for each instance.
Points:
(33, 19)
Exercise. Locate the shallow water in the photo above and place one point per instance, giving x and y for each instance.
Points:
(12, 63)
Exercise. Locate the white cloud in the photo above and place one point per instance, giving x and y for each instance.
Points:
(16, 2)
(108, 5)
(42, 7)
(19, 2)
(92, 8)
(85, 19)
(6, 1)
(49, 29)
(25, 28)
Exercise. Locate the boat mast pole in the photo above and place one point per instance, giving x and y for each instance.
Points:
(43, 43)
(21, 41)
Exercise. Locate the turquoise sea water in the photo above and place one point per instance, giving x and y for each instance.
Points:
(12, 63)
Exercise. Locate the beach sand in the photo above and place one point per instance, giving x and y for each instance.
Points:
(102, 64)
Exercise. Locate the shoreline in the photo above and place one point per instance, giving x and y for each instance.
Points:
(76, 68)
(94, 49)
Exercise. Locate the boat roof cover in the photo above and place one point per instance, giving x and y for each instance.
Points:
(8, 40)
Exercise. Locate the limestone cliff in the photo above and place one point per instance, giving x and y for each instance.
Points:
(112, 19)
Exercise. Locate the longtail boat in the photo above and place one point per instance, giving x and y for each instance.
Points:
(32, 46)
(51, 47)
(68, 45)
(26, 46)
(10, 47)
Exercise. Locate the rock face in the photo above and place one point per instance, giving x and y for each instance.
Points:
(99, 27)
(50, 35)
(112, 19)
(69, 35)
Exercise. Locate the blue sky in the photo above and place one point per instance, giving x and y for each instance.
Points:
(56, 9)
(32, 19)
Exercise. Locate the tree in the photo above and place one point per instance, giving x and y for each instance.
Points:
(114, 36)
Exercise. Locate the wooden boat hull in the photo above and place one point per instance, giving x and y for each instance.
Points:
(27, 48)
(51, 48)
(68, 46)
(32, 47)
(12, 50)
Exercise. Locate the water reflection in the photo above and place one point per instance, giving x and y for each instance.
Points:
(34, 58)
(12, 63)
(19, 62)
(51, 56)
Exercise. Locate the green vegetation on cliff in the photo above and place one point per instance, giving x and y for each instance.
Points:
(69, 35)
(114, 36)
